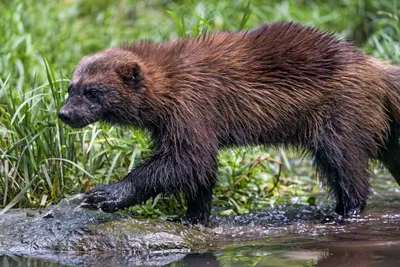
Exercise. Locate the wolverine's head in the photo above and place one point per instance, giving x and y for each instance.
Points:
(108, 86)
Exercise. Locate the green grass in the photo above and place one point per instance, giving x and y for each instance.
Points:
(42, 160)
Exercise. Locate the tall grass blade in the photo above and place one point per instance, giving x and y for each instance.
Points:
(180, 25)
(18, 197)
(245, 17)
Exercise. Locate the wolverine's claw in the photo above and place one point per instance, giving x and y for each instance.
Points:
(108, 198)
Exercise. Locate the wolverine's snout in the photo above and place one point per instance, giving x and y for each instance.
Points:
(73, 117)
(65, 115)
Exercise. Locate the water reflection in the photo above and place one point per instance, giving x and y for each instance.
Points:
(17, 261)
(385, 255)
(337, 257)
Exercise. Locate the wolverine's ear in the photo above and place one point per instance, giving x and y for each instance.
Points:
(130, 71)
(136, 71)
(132, 75)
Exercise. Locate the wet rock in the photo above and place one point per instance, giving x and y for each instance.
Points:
(69, 228)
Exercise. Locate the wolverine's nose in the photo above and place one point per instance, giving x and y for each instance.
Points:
(64, 115)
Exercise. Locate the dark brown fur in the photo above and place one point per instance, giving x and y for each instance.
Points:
(280, 84)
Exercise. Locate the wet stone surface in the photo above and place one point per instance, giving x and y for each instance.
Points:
(87, 234)
(283, 236)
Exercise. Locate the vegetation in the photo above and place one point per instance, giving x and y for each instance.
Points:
(42, 160)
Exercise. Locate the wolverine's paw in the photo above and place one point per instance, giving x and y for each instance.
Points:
(349, 211)
(108, 198)
(188, 221)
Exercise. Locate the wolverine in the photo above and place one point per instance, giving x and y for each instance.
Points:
(281, 84)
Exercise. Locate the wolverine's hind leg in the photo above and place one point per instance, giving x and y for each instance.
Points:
(390, 156)
(199, 206)
(343, 166)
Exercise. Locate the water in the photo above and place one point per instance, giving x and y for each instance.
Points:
(257, 240)
(340, 254)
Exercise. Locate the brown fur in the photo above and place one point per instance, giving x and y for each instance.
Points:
(280, 84)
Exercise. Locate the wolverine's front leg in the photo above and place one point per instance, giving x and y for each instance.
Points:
(116, 196)
(147, 180)
(163, 173)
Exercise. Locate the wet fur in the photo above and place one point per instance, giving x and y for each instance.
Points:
(280, 84)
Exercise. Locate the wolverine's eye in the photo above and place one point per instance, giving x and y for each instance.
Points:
(92, 93)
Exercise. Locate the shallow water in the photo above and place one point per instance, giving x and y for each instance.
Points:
(282, 236)
(339, 254)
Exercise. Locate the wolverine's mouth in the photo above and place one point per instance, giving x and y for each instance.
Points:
(74, 120)
(78, 125)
